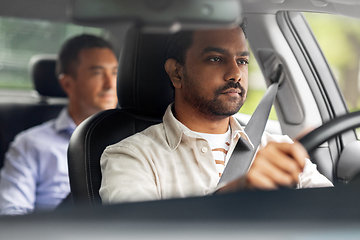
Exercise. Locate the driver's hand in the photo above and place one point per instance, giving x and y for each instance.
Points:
(276, 165)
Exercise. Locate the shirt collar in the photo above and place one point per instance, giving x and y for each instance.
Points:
(238, 131)
(175, 130)
(172, 128)
(64, 122)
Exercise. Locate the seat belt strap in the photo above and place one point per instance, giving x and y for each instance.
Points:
(243, 153)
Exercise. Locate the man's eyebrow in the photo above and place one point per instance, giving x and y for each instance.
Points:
(101, 67)
(214, 49)
(242, 54)
(223, 51)
(96, 67)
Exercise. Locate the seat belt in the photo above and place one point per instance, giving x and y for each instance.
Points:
(243, 153)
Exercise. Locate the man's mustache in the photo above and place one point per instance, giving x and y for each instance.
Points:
(230, 85)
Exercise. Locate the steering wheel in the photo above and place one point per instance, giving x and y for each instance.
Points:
(330, 129)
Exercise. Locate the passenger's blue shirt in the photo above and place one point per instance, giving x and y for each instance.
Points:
(35, 172)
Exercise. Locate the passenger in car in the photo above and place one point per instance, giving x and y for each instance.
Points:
(35, 174)
(186, 154)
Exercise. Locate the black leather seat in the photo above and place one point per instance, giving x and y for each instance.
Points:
(43, 73)
(144, 92)
(19, 112)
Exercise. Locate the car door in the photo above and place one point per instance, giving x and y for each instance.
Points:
(310, 96)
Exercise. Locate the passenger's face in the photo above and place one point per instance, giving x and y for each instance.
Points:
(215, 73)
(95, 80)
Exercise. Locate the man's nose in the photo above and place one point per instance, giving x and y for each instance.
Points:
(109, 80)
(233, 72)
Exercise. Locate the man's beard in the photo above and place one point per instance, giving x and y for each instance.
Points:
(213, 108)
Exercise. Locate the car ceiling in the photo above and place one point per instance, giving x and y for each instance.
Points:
(54, 10)
(59, 10)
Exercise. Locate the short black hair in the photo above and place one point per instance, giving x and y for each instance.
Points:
(177, 44)
(69, 53)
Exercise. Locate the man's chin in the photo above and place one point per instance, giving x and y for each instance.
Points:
(224, 112)
(232, 107)
(107, 106)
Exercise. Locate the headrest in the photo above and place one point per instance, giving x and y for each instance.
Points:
(44, 76)
(144, 88)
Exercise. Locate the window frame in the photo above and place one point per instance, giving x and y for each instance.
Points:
(319, 76)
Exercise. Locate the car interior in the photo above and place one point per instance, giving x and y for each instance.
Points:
(309, 97)
(32, 110)
(144, 92)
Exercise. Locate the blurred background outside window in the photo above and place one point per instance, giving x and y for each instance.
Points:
(339, 39)
(22, 39)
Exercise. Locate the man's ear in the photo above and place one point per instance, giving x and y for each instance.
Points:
(65, 81)
(173, 69)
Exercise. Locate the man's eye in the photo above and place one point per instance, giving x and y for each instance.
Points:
(243, 62)
(214, 59)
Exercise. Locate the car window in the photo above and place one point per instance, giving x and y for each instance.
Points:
(20, 39)
(339, 39)
(257, 88)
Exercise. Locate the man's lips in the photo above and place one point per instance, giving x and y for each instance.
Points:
(107, 94)
(232, 91)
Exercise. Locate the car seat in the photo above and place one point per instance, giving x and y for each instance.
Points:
(144, 92)
(19, 112)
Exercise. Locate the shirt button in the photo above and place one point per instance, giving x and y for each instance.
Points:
(204, 149)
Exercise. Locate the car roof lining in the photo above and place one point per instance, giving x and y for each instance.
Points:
(58, 10)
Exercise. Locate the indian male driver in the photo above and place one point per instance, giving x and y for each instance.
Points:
(35, 174)
(186, 154)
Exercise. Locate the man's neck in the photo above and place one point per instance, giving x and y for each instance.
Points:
(77, 115)
(198, 122)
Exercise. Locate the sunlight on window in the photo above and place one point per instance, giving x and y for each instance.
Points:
(339, 39)
(21, 39)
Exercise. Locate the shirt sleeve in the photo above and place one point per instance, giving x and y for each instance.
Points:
(18, 180)
(311, 178)
(127, 176)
